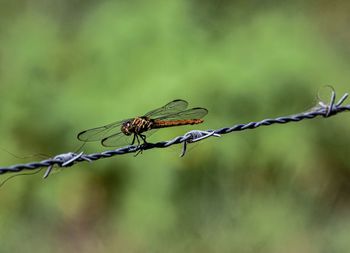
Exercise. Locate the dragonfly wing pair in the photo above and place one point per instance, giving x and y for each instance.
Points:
(172, 107)
(111, 135)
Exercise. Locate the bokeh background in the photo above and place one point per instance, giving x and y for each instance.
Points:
(69, 65)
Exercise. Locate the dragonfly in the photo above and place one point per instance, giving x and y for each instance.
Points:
(129, 131)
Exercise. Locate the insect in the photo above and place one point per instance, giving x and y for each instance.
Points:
(131, 130)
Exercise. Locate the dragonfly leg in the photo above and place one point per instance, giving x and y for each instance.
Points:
(137, 139)
(133, 139)
(143, 137)
(136, 136)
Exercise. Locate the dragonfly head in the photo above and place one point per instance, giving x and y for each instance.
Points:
(126, 127)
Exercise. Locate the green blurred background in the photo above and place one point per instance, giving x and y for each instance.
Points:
(66, 66)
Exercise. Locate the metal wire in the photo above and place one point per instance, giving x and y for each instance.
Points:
(71, 158)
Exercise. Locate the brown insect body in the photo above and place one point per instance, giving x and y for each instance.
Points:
(142, 124)
(170, 123)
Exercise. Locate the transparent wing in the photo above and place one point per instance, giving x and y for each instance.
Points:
(99, 133)
(193, 113)
(120, 139)
(172, 107)
(117, 140)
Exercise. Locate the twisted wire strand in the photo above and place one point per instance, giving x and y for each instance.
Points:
(71, 158)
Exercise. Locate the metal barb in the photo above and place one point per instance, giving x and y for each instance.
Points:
(332, 107)
(48, 171)
(331, 104)
(194, 136)
(342, 99)
(65, 160)
(69, 159)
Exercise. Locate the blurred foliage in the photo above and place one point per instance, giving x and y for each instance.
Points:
(70, 65)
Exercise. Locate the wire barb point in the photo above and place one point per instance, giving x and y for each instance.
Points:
(331, 108)
(194, 136)
(65, 160)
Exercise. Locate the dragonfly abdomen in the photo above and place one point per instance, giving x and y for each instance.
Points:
(170, 123)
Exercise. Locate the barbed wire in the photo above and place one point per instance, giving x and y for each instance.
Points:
(71, 158)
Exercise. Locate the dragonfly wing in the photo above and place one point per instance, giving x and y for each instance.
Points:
(172, 107)
(193, 113)
(98, 133)
(117, 140)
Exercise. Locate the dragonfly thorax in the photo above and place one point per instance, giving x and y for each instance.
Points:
(136, 125)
